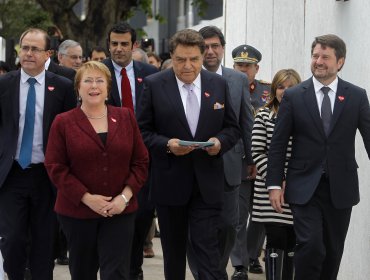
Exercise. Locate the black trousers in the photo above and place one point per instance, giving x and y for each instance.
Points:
(27, 218)
(143, 222)
(321, 231)
(102, 243)
(199, 220)
(280, 236)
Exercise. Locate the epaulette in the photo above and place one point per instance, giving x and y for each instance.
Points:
(264, 82)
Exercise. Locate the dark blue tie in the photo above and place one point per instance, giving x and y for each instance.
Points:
(25, 154)
(326, 112)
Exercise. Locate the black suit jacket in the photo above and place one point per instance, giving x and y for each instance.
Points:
(141, 70)
(311, 150)
(59, 97)
(161, 117)
(62, 71)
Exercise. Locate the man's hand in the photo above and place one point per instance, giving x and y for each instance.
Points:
(177, 150)
(277, 198)
(215, 149)
(251, 172)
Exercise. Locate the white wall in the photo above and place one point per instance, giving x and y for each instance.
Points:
(283, 31)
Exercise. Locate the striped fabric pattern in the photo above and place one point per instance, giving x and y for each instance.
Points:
(263, 129)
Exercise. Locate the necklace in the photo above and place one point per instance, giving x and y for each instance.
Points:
(96, 118)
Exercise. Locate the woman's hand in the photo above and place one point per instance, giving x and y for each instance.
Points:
(116, 206)
(97, 203)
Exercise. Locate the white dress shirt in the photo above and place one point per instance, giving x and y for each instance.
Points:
(184, 91)
(37, 148)
(131, 77)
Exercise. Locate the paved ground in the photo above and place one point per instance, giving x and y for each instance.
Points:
(153, 268)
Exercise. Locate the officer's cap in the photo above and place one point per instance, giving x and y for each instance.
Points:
(247, 54)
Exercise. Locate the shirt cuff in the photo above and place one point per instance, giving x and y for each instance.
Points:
(274, 188)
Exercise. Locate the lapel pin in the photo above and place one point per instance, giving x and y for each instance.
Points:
(51, 88)
(207, 94)
(139, 80)
(341, 98)
(113, 119)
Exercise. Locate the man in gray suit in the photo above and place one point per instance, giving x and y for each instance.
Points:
(238, 87)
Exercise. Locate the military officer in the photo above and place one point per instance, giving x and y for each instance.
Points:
(246, 59)
(249, 240)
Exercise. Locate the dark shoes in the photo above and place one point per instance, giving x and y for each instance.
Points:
(255, 266)
(240, 273)
(63, 260)
(139, 276)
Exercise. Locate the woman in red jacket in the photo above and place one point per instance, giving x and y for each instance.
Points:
(97, 160)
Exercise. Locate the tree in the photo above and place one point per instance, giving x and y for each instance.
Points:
(100, 16)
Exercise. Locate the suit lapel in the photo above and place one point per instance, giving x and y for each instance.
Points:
(311, 103)
(114, 91)
(86, 127)
(15, 97)
(113, 123)
(340, 100)
(138, 73)
(48, 116)
(206, 99)
(171, 89)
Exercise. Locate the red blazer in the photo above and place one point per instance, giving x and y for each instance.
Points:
(77, 161)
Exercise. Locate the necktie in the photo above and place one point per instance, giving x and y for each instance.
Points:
(192, 108)
(326, 112)
(126, 91)
(25, 155)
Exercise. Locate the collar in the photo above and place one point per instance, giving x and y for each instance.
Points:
(219, 70)
(40, 78)
(317, 85)
(196, 82)
(47, 63)
(118, 68)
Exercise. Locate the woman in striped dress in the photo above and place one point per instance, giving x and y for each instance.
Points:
(280, 237)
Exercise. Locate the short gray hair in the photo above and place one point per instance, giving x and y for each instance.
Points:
(65, 45)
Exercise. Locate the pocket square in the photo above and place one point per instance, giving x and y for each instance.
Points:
(218, 106)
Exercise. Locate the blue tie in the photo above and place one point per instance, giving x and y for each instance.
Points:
(25, 154)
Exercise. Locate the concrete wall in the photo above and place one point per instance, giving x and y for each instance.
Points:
(283, 31)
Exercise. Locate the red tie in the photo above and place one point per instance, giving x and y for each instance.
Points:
(126, 91)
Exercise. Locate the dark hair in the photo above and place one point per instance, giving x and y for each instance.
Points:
(4, 66)
(36, 30)
(97, 49)
(121, 28)
(212, 31)
(332, 41)
(187, 37)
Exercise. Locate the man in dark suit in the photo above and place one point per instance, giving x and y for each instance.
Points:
(53, 67)
(30, 98)
(187, 183)
(322, 115)
(240, 99)
(120, 40)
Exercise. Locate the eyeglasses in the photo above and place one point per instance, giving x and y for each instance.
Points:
(26, 49)
(213, 46)
(73, 57)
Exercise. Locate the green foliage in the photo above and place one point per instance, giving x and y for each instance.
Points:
(18, 15)
(201, 5)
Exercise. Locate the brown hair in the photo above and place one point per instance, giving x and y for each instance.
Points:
(36, 30)
(93, 65)
(280, 77)
(332, 41)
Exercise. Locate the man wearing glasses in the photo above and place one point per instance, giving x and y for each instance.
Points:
(70, 54)
(30, 98)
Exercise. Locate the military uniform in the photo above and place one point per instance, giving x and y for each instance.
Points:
(249, 240)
